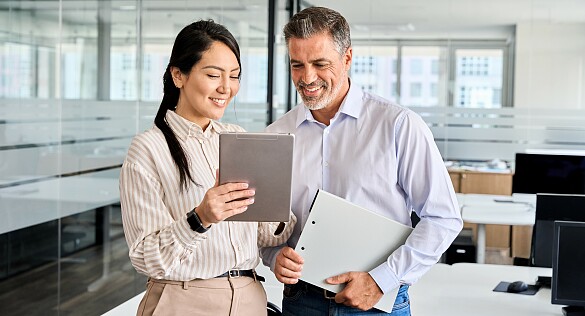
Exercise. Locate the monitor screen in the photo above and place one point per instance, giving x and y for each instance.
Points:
(568, 279)
(544, 173)
(551, 208)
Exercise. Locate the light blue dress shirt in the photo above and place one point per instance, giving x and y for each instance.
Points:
(383, 157)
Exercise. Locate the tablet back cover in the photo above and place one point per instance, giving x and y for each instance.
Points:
(264, 160)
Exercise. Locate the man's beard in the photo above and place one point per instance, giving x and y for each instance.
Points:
(321, 101)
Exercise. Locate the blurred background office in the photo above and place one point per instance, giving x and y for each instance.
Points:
(78, 79)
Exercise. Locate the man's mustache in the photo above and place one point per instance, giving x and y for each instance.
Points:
(302, 84)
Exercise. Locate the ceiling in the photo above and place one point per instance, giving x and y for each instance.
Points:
(369, 18)
(412, 18)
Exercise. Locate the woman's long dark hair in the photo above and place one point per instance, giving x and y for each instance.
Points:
(189, 46)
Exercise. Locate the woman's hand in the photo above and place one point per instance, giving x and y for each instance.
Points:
(223, 201)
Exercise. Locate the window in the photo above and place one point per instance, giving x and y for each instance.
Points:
(416, 89)
(435, 66)
(428, 61)
(479, 78)
(154, 62)
(16, 68)
(496, 96)
(416, 67)
(374, 69)
(433, 90)
(462, 73)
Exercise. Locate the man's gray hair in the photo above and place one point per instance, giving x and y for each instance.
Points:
(316, 20)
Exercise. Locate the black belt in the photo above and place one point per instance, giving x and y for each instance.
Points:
(313, 288)
(242, 273)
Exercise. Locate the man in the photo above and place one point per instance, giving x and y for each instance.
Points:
(366, 150)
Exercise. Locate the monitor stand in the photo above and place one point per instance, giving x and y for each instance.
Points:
(544, 281)
(574, 310)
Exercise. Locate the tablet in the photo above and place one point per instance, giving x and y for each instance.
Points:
(264, 161)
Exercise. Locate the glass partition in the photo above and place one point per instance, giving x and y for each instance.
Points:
(78, 79)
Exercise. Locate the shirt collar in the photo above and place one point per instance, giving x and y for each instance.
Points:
(184, 128)
(351, 106)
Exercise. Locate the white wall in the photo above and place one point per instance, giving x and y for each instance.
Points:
(550, 65)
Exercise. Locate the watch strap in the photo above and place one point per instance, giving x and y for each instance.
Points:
(195, 222)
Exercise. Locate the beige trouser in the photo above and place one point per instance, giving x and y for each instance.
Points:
(233, 296)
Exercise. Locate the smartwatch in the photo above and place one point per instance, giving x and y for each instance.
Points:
(195, 222)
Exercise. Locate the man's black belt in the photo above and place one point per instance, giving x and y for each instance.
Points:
(242, 273)
(313, 288)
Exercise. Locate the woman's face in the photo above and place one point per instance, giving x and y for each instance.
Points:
(210, 86)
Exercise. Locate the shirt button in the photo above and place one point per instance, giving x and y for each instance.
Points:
(201, 141)
(326, 164)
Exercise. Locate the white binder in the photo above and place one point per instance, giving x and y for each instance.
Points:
(340, 237)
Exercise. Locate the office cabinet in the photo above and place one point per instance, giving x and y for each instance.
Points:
(521, 241)
(481, 182)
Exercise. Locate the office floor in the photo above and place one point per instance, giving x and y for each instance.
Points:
(36, 292)
(45, 291)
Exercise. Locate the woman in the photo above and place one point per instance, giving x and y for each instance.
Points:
(173, 209)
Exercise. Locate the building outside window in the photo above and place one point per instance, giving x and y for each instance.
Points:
(374, 69)
(415, 90)
(423, 79)
(478, 78)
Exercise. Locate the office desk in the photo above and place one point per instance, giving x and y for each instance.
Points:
(461, 289)
(466, 289)
(482, 209)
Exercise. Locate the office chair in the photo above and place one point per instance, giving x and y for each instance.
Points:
(538, 230)
(273, 310)
(550, 208)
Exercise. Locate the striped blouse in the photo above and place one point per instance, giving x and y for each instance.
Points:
(162, 244)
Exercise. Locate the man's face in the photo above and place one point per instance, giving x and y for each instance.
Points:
(318, 71)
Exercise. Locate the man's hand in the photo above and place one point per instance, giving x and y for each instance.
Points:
(288, 266)
(361, 291)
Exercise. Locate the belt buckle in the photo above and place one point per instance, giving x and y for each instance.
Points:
(325, 292)
(234, 273)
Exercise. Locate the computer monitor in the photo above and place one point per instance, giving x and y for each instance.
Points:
(568, 278)
(548, 173)
(551, 208)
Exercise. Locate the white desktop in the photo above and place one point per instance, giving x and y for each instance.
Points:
(485, 209)
(462, 289)
(467, 289)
